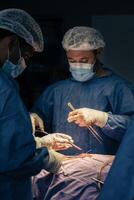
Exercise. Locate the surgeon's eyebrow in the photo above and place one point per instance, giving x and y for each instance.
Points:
(72, 60)
(82, 58)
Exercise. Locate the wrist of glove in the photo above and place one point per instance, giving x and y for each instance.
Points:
(100, 118)
(88, 117)
(38, 142)
(54, 161)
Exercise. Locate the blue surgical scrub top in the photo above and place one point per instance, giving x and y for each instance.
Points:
(106, 93)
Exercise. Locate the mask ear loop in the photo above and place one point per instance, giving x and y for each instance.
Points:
(21, 59)
(20, 54)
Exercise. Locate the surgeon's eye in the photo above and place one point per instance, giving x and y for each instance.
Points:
(83, 60)
(72, 61)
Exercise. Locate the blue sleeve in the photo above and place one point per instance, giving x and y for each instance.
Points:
(122, 171)
(17, 145)
(116, 126)
(122, 106)
(44, 108)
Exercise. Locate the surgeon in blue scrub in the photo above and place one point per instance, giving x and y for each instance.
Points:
(102, 99)
(120, 181)
(21, 155)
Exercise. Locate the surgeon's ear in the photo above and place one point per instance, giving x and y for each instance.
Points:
(13, 40)
(14, 53)
(99, 51)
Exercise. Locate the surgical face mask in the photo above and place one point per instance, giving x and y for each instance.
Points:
(82, 71)
(14, 69)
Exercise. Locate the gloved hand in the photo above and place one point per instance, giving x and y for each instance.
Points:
(36, 122)
(54, 162)
(88, 117)
(55, 141)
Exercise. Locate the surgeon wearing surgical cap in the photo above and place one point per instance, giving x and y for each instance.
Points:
(21, 154)
(101, 99)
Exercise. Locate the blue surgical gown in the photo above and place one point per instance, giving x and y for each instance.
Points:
(19, 159)
(119, 184)
(106, 93)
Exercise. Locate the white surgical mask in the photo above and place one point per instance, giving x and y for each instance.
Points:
(82, 71)
(14, 69)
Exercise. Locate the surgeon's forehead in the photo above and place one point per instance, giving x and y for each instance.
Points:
(79, 54)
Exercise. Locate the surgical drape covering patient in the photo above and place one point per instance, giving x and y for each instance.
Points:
(80, 177)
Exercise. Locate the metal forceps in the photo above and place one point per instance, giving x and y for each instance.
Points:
(90, 128)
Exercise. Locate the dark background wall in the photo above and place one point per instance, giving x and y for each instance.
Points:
(115, 20)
